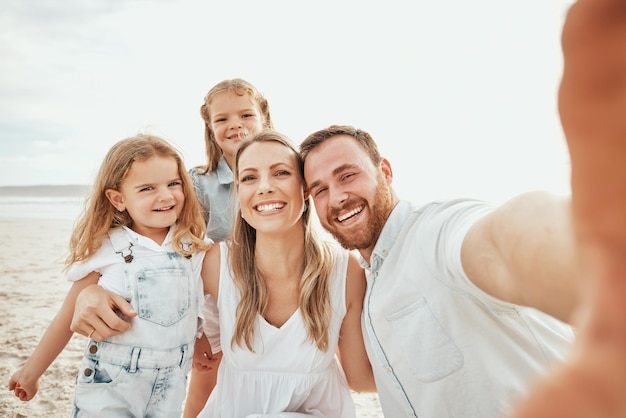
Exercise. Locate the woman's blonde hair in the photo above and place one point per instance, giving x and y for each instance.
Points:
(99, 215)
(314, 298)
(237, 86)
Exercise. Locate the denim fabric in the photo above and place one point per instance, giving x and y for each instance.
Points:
(143, 372)
(215, 192)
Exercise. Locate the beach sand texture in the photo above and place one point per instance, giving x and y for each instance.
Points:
(32, 289)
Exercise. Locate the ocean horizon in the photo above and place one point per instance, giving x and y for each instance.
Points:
(63, 202)
(45, 190)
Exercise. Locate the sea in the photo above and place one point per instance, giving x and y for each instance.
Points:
(63, 202)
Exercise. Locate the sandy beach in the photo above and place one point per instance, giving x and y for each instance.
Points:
(32, 288)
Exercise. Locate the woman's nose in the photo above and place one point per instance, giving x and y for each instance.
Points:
(265, 185)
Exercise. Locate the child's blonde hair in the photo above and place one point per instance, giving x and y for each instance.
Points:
(240, 87)
(99, 215)
(314, 297)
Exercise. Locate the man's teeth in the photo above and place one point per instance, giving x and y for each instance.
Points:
(270, 207)
(350, 214)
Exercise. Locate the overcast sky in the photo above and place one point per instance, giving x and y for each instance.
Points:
(460, 95)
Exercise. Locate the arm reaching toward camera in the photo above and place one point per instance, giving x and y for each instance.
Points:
(592, 99)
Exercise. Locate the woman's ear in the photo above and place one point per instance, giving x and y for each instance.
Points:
(116, 199)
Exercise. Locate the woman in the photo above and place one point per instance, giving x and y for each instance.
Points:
(287, 300)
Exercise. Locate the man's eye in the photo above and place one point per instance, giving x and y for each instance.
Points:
(319, 192)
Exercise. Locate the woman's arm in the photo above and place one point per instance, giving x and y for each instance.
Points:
(211, 271)
(100, 311)
(352, 354)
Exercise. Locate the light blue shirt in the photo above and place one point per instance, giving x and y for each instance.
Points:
(215, 191)
(439, 346)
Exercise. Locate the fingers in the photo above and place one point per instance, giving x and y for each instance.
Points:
(101, 313)
(122, 308)
(205, 364)
(19, 391)
(203, 358)
(105, 326)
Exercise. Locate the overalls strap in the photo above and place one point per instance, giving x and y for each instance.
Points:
(121, 244)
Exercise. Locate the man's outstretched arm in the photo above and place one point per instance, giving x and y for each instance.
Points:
(592, 106)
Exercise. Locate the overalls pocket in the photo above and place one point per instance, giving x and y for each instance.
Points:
(163, 295)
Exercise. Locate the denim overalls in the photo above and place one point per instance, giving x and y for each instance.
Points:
(143, 371)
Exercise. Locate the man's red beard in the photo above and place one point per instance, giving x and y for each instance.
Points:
(366, 236)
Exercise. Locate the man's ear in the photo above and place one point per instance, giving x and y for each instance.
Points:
(385, 167)
(116, 199)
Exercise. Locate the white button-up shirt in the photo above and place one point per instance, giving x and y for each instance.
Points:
(439, 346)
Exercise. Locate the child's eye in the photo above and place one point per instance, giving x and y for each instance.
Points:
(175, 183)
(146, 189)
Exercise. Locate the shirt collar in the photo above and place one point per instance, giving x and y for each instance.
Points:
(223, 172)
(142, 241)
(388, 236)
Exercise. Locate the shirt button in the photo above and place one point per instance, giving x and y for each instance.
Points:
(93, 349)
(385, 253)
(87, 372)
(388, 369)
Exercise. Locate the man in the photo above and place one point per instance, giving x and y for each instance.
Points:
(446, 317)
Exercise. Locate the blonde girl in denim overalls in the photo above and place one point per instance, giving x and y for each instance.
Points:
(142, 237)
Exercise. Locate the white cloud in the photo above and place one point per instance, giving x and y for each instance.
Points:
(470, 85)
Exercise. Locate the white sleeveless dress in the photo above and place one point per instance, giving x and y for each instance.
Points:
(287, 376)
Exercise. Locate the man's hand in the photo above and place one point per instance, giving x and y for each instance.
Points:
(101, 314)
